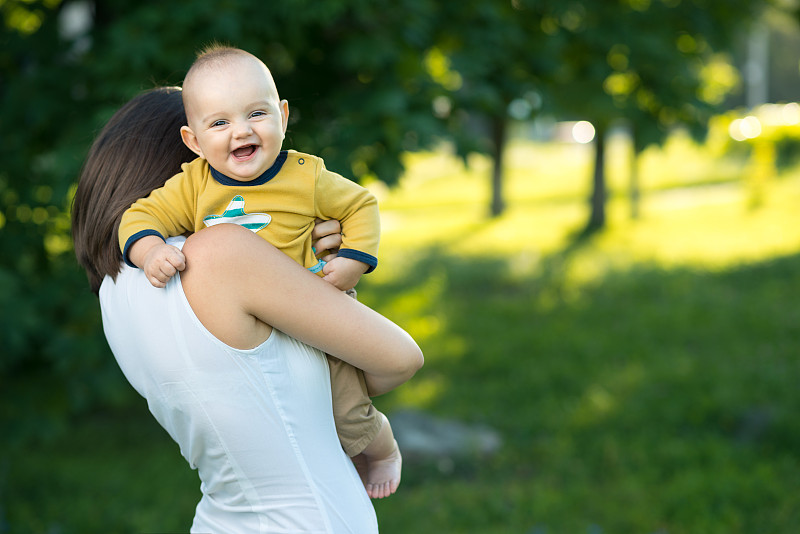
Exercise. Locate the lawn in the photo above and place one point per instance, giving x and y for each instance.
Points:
(643, 380)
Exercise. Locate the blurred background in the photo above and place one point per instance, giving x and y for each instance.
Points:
(590, 225)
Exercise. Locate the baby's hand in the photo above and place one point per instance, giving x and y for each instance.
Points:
(344, 273)
(161, 262)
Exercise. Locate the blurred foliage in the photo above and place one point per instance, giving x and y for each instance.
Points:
(775, 124)
(48, 319)
(653, 65)
(765, 139)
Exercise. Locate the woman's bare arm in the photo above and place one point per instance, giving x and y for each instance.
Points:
(239, 286)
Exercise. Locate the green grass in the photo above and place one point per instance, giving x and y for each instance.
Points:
(646, 400)
(644, 380)
(114, 472)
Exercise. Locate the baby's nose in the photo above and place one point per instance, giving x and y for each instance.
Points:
(242, 129)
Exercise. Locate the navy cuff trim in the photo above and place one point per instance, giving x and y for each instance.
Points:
(133, 239)
(363, 257)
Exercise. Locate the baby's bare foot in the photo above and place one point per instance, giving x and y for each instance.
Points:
(383, 475)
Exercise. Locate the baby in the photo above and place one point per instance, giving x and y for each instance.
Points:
(236, 125)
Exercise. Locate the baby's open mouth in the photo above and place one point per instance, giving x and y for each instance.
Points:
(244, 152)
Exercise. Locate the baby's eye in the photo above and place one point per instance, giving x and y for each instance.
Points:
(218, 123)
(257, 114)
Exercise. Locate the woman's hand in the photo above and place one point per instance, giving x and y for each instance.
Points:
(327, 236)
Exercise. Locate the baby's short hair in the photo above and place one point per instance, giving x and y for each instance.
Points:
(210, 58)
(216, 54)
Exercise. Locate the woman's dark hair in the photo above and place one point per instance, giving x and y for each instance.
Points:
(137, 151)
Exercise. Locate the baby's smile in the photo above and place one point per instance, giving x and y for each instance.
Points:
(244, 153)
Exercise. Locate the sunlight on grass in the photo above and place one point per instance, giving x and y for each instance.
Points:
(695, 209)
(412, 307)
(713, 227)
(682, 162)
(421, 393)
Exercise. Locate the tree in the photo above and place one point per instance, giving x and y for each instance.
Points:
(652, 64)
(488, 55)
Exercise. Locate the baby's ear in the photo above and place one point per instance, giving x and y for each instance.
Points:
(190, 140)
(284, 105)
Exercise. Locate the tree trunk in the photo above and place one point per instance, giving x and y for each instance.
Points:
(635, 189)
(498, 141)
(597, 218)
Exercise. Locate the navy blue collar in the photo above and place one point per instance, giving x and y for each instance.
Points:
(268, 175)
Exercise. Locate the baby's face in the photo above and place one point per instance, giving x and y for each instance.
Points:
(236, 120)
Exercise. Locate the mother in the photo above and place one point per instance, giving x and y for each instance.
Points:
(230, 354)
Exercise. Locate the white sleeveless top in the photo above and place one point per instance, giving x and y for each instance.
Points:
(257, 424)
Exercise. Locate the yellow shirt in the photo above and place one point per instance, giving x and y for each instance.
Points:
(280, 206)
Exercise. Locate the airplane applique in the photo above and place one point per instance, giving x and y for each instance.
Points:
(235, 214)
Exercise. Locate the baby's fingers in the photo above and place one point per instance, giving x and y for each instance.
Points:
(166, 270)
(161, 273)
(156, 281)
(176, 260)
(173, 262)
(162, 262)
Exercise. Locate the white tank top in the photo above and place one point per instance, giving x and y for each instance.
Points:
(257, 424)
